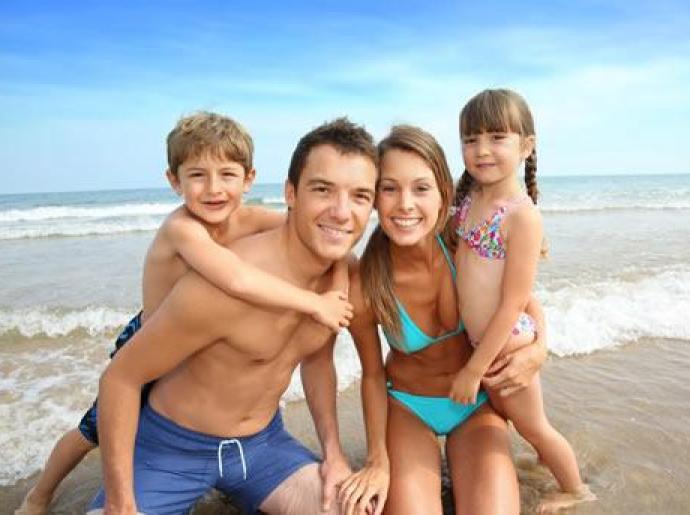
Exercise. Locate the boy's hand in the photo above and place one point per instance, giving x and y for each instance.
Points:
(465, 387)
(334, 311)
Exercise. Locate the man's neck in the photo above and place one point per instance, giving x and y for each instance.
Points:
(303, 265)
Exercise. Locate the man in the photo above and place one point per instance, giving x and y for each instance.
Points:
(222, 364)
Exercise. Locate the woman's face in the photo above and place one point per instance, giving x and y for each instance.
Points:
(407, 200)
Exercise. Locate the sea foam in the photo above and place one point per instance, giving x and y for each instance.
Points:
(587, 317)
(57, 323)
(61, 212)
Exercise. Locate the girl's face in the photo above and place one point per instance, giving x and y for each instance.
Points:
(408, 200)
(491, 157)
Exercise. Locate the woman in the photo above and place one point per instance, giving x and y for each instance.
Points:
(405, 283)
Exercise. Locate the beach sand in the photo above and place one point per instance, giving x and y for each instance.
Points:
(624, 411)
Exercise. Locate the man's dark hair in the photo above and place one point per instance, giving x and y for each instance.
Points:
(340, 133)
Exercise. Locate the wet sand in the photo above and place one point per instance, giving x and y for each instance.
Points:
(625, 411)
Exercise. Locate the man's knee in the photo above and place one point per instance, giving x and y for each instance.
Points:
(298, 494)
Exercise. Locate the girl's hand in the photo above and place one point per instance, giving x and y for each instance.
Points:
(365, 491)
(334, 311)
(465, 387)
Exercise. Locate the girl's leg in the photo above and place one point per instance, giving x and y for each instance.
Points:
(481, 466)
(415, 464)
(66, 455)
(525, 409)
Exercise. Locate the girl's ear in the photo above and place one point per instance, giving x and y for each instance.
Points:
(528, 144)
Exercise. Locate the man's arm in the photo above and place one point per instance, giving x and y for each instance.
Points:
(320, 389)
(175, 331)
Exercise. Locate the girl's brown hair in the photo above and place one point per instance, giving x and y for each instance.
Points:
(376, 265)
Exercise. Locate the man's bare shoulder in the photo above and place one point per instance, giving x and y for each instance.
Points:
(254, 219)
(193, 292)
(255, 247)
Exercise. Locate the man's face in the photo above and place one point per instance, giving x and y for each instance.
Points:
(331, 205)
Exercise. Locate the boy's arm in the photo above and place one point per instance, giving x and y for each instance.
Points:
(240, 279)
(518, 278)
(175, 331)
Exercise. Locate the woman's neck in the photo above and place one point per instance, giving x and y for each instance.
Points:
(412, 256)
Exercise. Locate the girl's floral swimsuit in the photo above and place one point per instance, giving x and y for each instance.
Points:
(485, 239)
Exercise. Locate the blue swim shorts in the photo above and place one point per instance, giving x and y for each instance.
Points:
(88, 424)
(175, 466)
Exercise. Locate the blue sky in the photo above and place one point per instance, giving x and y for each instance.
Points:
(88, 90)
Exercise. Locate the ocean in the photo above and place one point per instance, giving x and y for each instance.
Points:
(617, 278)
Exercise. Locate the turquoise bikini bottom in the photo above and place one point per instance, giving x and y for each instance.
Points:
(441, 414)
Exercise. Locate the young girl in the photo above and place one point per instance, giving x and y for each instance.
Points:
(501, 238)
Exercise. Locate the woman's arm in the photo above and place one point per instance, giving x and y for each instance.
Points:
(515, 370)
(237, 278)
(520, 269)
(371, 482)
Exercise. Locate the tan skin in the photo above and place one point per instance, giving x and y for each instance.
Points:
(222, 363)
(403, 469)
(191, 238)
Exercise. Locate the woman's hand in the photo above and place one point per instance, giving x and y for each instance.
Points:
(515, 370)
(365, 491)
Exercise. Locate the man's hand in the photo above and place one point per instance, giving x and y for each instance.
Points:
(333, 472)
(334, 310)
(515, 371)
(125, 507)
(365, 491)
(465, 387)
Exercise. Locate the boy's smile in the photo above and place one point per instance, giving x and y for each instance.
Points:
(211, 187)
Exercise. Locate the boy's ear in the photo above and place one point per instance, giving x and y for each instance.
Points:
(249, 177)
(174, 181)
(289, 194)
(528, 144)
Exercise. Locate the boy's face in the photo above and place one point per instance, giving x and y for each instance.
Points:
(211, 187)
(332, 203)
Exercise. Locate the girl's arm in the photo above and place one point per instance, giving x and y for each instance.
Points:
(237, 278)
(371, 482)
(525, 231)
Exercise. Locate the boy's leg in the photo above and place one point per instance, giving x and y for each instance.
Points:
(73, 446)
(67, 453)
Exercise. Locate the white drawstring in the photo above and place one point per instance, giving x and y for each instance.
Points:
(220, 456)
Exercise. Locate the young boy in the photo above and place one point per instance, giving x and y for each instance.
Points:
(210, 166)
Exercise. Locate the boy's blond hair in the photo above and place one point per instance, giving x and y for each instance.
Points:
(207, 132)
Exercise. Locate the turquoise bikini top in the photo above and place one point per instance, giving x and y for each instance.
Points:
(413, 338)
